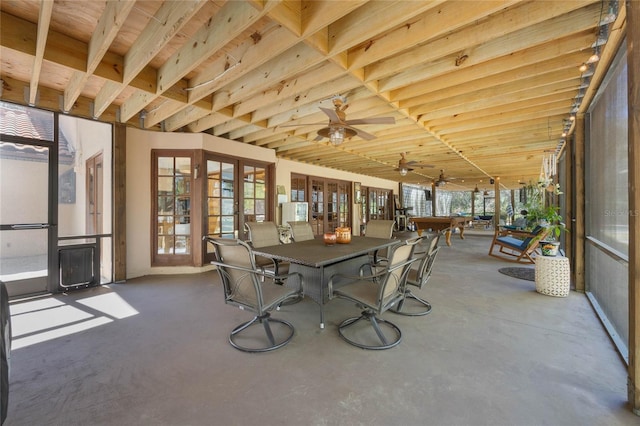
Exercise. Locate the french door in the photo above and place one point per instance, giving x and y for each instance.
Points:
(378, 204)
(330, 204)
(26, 220)
(54, 236)
(237, 191)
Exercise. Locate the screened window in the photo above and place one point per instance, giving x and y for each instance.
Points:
(607, 202)
(418, 198)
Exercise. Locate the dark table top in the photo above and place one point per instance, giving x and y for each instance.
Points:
(316, 254)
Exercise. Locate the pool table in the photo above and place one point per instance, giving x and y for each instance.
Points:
(439, 223)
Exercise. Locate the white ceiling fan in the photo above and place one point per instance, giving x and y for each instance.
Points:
(340, 128)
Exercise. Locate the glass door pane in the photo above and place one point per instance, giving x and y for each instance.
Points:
(344, 206)
(221, 201)
(85, 170)
(332, 206)
(317, 206)
(174, 205)
(254, 194)
(24, 217)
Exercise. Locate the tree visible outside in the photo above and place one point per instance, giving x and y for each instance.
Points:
(454, 203)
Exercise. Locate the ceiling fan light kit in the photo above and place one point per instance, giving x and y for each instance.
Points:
(336, 134)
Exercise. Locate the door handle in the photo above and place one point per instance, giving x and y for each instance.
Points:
(31, 226)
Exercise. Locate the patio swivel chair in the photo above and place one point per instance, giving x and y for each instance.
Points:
(418, 275)
(379, 228)
(375, 294)
(264, 234)
(301, 231)
(248, 287)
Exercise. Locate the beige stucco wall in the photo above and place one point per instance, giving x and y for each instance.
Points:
(138, 168)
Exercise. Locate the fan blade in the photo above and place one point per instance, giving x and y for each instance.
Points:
(302, 124)
(372, 120)
(414, 163)
(318, 138)
(364, 135)
(333, 117)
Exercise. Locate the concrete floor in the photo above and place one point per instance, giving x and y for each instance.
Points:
(155, 352)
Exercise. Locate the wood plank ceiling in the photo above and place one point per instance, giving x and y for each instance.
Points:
(480, 89)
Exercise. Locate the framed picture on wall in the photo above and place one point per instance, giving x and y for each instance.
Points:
(357, 193)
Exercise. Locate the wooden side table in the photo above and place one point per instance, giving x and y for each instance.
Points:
(553, 276)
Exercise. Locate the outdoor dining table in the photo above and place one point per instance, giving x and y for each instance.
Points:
(317, 262)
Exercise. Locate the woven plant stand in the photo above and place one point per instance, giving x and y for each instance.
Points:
(553, 276)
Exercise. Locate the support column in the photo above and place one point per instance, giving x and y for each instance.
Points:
(633, 75)
(433, 199)
(496, 203)
(577, 228)
(119, 203)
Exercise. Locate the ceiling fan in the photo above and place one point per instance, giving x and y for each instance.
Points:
(405, 166)
(442, 179)
(340, 128)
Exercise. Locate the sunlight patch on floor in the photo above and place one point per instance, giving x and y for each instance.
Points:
(50, 318)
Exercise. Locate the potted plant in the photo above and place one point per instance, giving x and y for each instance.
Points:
(550, 218)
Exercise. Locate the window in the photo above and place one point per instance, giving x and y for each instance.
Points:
(221, 200)
(254, 194)
(416, 198)
(172, 207)
(298, 188)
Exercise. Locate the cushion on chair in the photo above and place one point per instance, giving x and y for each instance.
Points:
(514, 242)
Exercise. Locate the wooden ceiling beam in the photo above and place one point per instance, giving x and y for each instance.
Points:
(531, 126)
(369, 20)
(520, 89)
(496, 105)
(44, 20)
(428, 26)
(496, 26)
(506, 117)
(579, 44)
(107, 28)
(232, 19)
(210, 121)
(307, 102)
(166, 23)
(252, 54)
